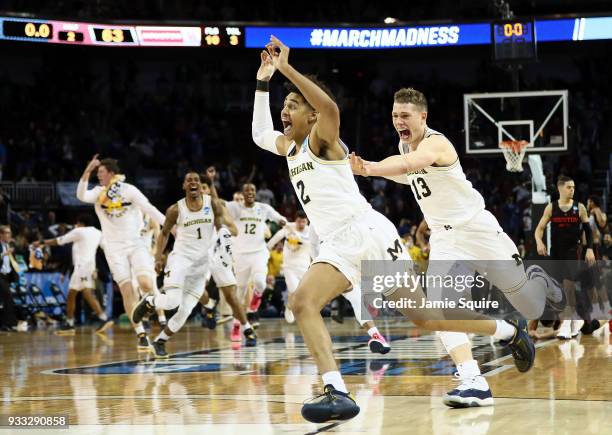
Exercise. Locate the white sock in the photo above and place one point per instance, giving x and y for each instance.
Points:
(139, 329)
(373, 330)
(504, 330)
(606, 308)
(161, 318)
(70, 321)
(246, 326)
(103, 317)
(335, 379)
(162, 336)
(210, 304)
(468, 369)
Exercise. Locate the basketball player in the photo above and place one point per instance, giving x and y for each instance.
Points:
(568, 219)
(296, 253)
(195, 217)
(250, 250)
(85, 239)
(221, 267)
(377, 343)
(150, 232)
(461, 229)
(350, 230)
(117, 204)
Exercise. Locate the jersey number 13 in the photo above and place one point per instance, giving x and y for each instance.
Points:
(422, 190)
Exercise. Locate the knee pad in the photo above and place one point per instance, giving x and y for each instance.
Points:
(451, 340)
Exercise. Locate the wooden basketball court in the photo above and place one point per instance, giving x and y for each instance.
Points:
(209, 386)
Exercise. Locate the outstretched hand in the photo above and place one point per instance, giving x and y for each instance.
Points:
(211, 172)
(359, 166)
(266, 68)
(278, 52)
(93, 164)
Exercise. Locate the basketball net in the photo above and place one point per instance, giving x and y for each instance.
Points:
(514, 151)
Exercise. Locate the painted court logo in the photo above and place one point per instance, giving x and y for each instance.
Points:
(420, 356)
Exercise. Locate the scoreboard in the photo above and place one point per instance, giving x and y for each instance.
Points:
(68, 32)
(511, 40)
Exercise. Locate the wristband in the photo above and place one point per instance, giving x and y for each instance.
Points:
(262, 86)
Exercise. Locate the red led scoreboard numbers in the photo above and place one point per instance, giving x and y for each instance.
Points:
(120, 35)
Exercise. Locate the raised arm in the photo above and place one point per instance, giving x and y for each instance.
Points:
(429, 152)
(325, 132)
(229, 222)
(141, 201)
(83, 194)
(164, 235)
(70, 237)
(277, 237)
(274, 216)
(539, 231)
(262, 128)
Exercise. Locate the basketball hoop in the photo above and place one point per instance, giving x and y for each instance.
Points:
(514, 151)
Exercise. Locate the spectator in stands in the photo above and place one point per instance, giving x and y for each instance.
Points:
(264, 194)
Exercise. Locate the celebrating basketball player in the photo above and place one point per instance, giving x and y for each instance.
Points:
(195, 217)
(117, 204)
(568, 219)
(461, 229)
(85, 239)
(350, 230)
(221, 267)
(250, 250)
(377, 343)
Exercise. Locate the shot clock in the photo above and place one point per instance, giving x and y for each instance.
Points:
(27, 30)
(514, 40)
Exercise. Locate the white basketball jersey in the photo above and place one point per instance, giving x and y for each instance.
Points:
(194, 230)
(85, 242)
(251, 225)
(296, 250)
(326, 189)
(444, 194)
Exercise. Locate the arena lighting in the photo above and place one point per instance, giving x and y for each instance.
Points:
(390, 20)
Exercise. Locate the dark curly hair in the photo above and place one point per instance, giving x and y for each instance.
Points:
(313, 78)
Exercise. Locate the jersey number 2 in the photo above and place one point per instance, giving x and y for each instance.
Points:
(305, 198)
(425, 191)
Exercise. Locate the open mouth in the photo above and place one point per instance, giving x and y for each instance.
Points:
(404, 134)
(194, 189)
(287, 126)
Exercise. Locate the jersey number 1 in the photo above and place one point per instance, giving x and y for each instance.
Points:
(425, 191)
(199, 234)
(305, 198)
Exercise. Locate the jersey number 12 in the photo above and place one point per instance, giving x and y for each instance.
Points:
(249, 228)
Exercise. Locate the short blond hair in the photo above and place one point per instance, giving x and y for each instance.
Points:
(410, 95)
